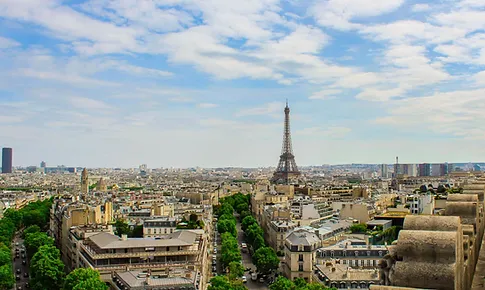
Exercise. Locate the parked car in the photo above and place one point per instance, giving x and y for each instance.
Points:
(24, 262)
(254, 276)
(214, 269)
(261, 280)
(215, 250)
(244, 279)
(26, 274)
(18, 271)
(17, 277)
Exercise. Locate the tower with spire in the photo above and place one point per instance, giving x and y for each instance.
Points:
(287, 169)
(84, 182)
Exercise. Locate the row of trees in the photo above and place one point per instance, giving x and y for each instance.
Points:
(264, 257)
(230, 254)
(282, 283)
(35, 213)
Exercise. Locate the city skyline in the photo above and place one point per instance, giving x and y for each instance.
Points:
(203, 83)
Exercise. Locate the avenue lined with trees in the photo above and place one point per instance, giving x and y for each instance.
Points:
(46, 267)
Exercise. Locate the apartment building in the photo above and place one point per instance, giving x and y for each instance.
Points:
(106, 252)
(421, 203)
(158, 227)
(300, 254)
(353, 253)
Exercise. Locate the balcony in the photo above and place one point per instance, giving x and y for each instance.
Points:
(96, 256)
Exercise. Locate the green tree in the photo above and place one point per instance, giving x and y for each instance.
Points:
(227, 226)
(137, 232)
(47, 269)
(244, 214)
(13, 215)
(281, 283)
(247, 221)
(358, 228)
(91, 284)
(34, 241)
(240, 207)
(5, 255)
(226, 208)
(265, 260)
(193, 217)
(35, 217)
(258, 243)
(300, 282)
(122, 228)
(79, 275)
(7, 231)
(236, 270)
(31, 229)
(219, 283)
(7, 279)
(229, 250)
(252, 232)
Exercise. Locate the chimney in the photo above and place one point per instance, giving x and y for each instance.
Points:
(124, 237)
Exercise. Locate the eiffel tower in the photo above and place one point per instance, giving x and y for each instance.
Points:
(287, 169)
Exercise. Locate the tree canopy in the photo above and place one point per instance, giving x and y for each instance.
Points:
(282, 283)
(84, 277)
(33, 241)
(47, 269)
(266, 260)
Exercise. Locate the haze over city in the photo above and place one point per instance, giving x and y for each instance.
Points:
(204, 83)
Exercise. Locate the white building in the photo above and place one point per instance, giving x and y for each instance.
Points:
(420, 203)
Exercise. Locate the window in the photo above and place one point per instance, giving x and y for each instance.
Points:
(368, 253)
(380, 253)
(300, 257)
(300, 267)
(149, 231)
(356, 253)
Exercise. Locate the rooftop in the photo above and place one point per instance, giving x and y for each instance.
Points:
(138, 279)
(110, 241)
(302, 237)
(339, 272)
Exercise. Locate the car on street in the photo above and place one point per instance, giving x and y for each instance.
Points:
(18, 271)
(254, 276)
(214, 269)
(214, 262)
(244, 279)
(24, 262)
(215, 250)
(19, 288)
(26, 274)
(23, 256)
(17, 277)
(261, 280)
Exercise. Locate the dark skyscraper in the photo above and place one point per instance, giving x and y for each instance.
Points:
(7, 156)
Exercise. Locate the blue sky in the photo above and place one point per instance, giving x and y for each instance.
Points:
(184, 83)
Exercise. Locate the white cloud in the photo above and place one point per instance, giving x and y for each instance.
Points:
(142, 70)
(421, 7)
(455, 113)
(334, 132)
(181, 99)
(266, 109)
(89, 104)
(11, 119)
(207, 105)
(60, 77)
(325, 94)
(8, 43)
(339, 13)
(375, 94)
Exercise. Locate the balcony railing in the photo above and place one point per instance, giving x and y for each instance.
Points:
(96, 256)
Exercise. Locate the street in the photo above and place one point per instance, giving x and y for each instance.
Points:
(247, 263)
(18, 257)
